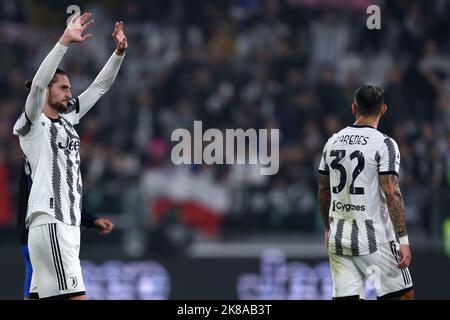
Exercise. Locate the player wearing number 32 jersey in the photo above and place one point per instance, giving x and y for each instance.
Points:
(362, 206)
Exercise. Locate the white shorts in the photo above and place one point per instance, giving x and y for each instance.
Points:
(54, 252)
(350, 273)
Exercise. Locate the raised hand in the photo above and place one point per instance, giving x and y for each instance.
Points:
(75, 28)
(119, 38)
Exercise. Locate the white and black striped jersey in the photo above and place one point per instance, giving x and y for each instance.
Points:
(359, 218)
(52, 146)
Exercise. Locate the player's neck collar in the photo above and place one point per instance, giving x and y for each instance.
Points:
(54, 120)
(361, 126)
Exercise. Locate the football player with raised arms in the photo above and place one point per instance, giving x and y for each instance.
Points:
(52, 147)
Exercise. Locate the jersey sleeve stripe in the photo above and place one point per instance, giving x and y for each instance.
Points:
(26, 128)
(26, 117)
(74, 105)
(325, 172)
(77, 105)
(391, 154)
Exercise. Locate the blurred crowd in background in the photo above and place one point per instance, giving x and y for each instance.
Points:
(292, 65)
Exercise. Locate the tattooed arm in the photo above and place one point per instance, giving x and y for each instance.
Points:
(396, 207)
(394, 199)
(324, 196)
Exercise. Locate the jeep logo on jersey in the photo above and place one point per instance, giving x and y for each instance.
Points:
(71, 145)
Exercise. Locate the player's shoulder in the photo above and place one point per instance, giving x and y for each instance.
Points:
(385, 136)
(330, 139)
(24, 128)
(387, 140)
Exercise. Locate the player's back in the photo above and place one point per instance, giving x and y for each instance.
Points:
(359, 219)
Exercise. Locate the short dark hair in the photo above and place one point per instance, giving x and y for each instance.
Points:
(369, 99)
(57, 72)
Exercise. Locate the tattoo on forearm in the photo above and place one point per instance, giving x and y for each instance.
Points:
(324, 196)
(394, 199)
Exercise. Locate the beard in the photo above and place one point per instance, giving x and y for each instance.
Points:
(59, 106)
